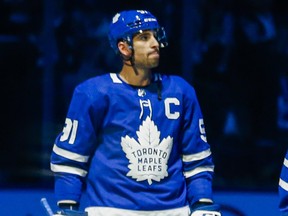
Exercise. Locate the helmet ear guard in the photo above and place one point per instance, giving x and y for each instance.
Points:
(122, 51)
(128, 23)
(161, 37)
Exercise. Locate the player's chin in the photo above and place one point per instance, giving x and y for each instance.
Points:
(154, 64)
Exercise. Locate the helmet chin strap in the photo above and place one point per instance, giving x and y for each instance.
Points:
(132, 61)
(131, 58)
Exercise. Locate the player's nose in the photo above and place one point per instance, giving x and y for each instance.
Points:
(154, 42)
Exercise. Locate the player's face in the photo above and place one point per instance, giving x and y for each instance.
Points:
(146, 50)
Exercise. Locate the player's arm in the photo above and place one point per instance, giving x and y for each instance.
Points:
(198, 171)
(283, 187)
(197, 159)
(72, 149)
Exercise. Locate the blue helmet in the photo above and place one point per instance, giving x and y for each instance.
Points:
(127, 23)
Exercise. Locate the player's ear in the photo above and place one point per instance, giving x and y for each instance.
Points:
(124, 49)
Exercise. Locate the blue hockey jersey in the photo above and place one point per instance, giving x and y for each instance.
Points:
(132, 149)
(283, 186)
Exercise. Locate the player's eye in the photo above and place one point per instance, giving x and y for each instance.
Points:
(144, 37)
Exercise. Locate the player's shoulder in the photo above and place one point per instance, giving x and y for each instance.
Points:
(179, 85)
(174, 78)
(103, 78)
(96, 87)
(101, 82)
(177, 81)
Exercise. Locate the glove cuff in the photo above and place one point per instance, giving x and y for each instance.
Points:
(70, 206)
(200, 208)
(200, 204)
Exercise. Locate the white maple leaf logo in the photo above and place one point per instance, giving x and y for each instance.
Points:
(148, 157)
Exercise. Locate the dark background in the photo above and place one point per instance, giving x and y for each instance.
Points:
(235, 53)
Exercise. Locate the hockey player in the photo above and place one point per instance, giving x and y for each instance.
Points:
(283, 187)
(136, 139)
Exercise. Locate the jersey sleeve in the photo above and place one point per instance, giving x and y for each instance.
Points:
(196, 153)
(283, 186)
(76, 143)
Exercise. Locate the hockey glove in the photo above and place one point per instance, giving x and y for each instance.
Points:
(205, 209)
(70, 210)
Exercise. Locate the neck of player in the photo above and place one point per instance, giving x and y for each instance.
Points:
(135, 76)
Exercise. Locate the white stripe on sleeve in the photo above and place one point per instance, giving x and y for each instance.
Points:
(193, 172)
(285, 163)
(283, 184)
(70, 155)
(68, 169)
(195, 157)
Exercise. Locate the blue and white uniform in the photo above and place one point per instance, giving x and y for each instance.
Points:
(283, 187)
(134, 151)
